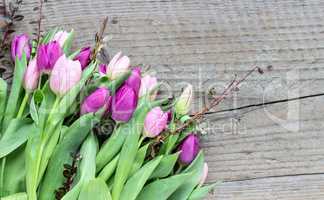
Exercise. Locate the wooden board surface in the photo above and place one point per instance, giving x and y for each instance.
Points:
(204, 42)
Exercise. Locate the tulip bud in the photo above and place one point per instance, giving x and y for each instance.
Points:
(102, 69)
(61, 37)
(84, 57)
(204, 175)
(183, 104)
(155, 122)
(189, 149)
(170, 116)
(124, 104)
(20, 44)
(117, 66)
(100, 98)
(47, 55)
(134, 80)
(65, 75)
(31, 76)
(148, 84)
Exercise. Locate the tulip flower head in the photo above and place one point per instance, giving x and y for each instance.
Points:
(134, 80)
(190, 148)
(65, 74)
(61, 37)
(118, 65)
(204, 175)
(183, 104)
(155, 122)
(31, 76)
(19, 45)
(47, 55)
(148, 84)
(124, 104)
(100, 98)
(102, 69)
(84, 57)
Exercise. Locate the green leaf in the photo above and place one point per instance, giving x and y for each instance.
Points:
(48, 99)
(18, 196)
(15, 91)
(169, 145)
(201, 192)
(87, 167)
(49, 36)
(68, 43)
(3, 99)
(16, 134)
(33, 110)
(73, 137)
(109, 169)
(196, 168)
(163, 188)
(139, 160)
(95, 189)
(166, 166)
(136, 183)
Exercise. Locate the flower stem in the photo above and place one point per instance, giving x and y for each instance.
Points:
(3, 164)
(23, 105)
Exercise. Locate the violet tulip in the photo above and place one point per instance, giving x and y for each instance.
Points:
(124, 104)
(118, 65)
(134, 80)
(100, 98)
(84, 57)
(204, 175)
(183, 104)
(148, 84)
(65, 74)
(47, 55)
(190, 148)
(61, 37)
(155, 122)
(20, 44)
(31, 76)
(102, 69)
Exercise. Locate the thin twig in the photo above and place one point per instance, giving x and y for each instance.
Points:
(99, 38)
(228, 90)
(39, 21)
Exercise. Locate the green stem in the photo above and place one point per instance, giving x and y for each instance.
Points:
(23, 105)
(3, 164)
(141, 141)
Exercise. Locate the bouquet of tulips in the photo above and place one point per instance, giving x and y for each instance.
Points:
(58, 98)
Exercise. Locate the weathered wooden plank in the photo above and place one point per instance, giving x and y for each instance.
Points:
(307, 187)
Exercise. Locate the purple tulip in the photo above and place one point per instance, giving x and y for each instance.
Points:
(20, 44)
(148, 84)
(65, 74)
(102, 69)
(118, 65)
(190, 148)
(47, 55)
(134, 80)
(124, 104)
(155, 122)
(204, 175)
(61, 37)
(31, 76)
(170, 116)
(100, 98)
(84, 57)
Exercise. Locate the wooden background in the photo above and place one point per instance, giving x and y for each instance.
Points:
(273, 152)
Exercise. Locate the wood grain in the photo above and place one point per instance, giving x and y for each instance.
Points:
(205, 43)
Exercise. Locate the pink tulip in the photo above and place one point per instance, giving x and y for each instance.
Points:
(100, 98)
(124, 104)
(148, 84)
(20, 44)
(84, 57)
(204, 175)
(47, 55)
(190, 148)
(61, 37)
(102, 69)
(117, 66)
(155, 122)
(65, 75)
(31, 76)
